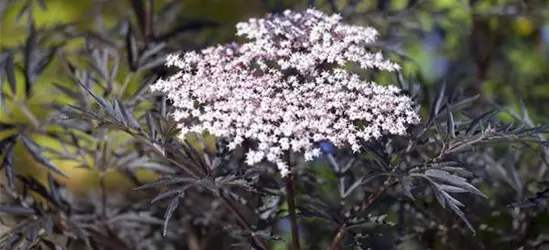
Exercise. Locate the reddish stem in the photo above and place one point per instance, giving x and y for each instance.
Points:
(342, 231)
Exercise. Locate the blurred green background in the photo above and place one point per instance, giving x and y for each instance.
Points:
(497, 47)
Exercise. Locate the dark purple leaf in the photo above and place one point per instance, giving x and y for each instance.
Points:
(10, 72)
(476, 122)
(451, 129)
(168, 215)
(17, 210)
(435, 108)
(36, 153)
(131, 49)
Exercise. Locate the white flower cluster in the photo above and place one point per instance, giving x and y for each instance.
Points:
(286, 88)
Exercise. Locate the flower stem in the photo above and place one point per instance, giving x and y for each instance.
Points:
(103, 190)
(243, 222)
(342, 231)
(290, 196)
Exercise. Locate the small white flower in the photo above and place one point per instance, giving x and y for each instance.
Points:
(284, 143)
(283, 168)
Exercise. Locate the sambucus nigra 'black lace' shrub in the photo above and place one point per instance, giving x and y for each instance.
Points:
(395, 186)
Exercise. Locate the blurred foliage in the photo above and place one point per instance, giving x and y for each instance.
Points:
(53, 51)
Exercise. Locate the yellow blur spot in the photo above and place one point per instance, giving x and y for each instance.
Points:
(523, 26)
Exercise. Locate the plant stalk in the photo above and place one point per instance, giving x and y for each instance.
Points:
(290, 199)
(243, 222)
(103, 194)
(342, 231)
(290, 196)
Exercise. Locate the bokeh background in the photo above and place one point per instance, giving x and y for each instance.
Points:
(498, 49)
(495, 47)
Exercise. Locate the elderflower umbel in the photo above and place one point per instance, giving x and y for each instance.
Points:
(286, 88)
